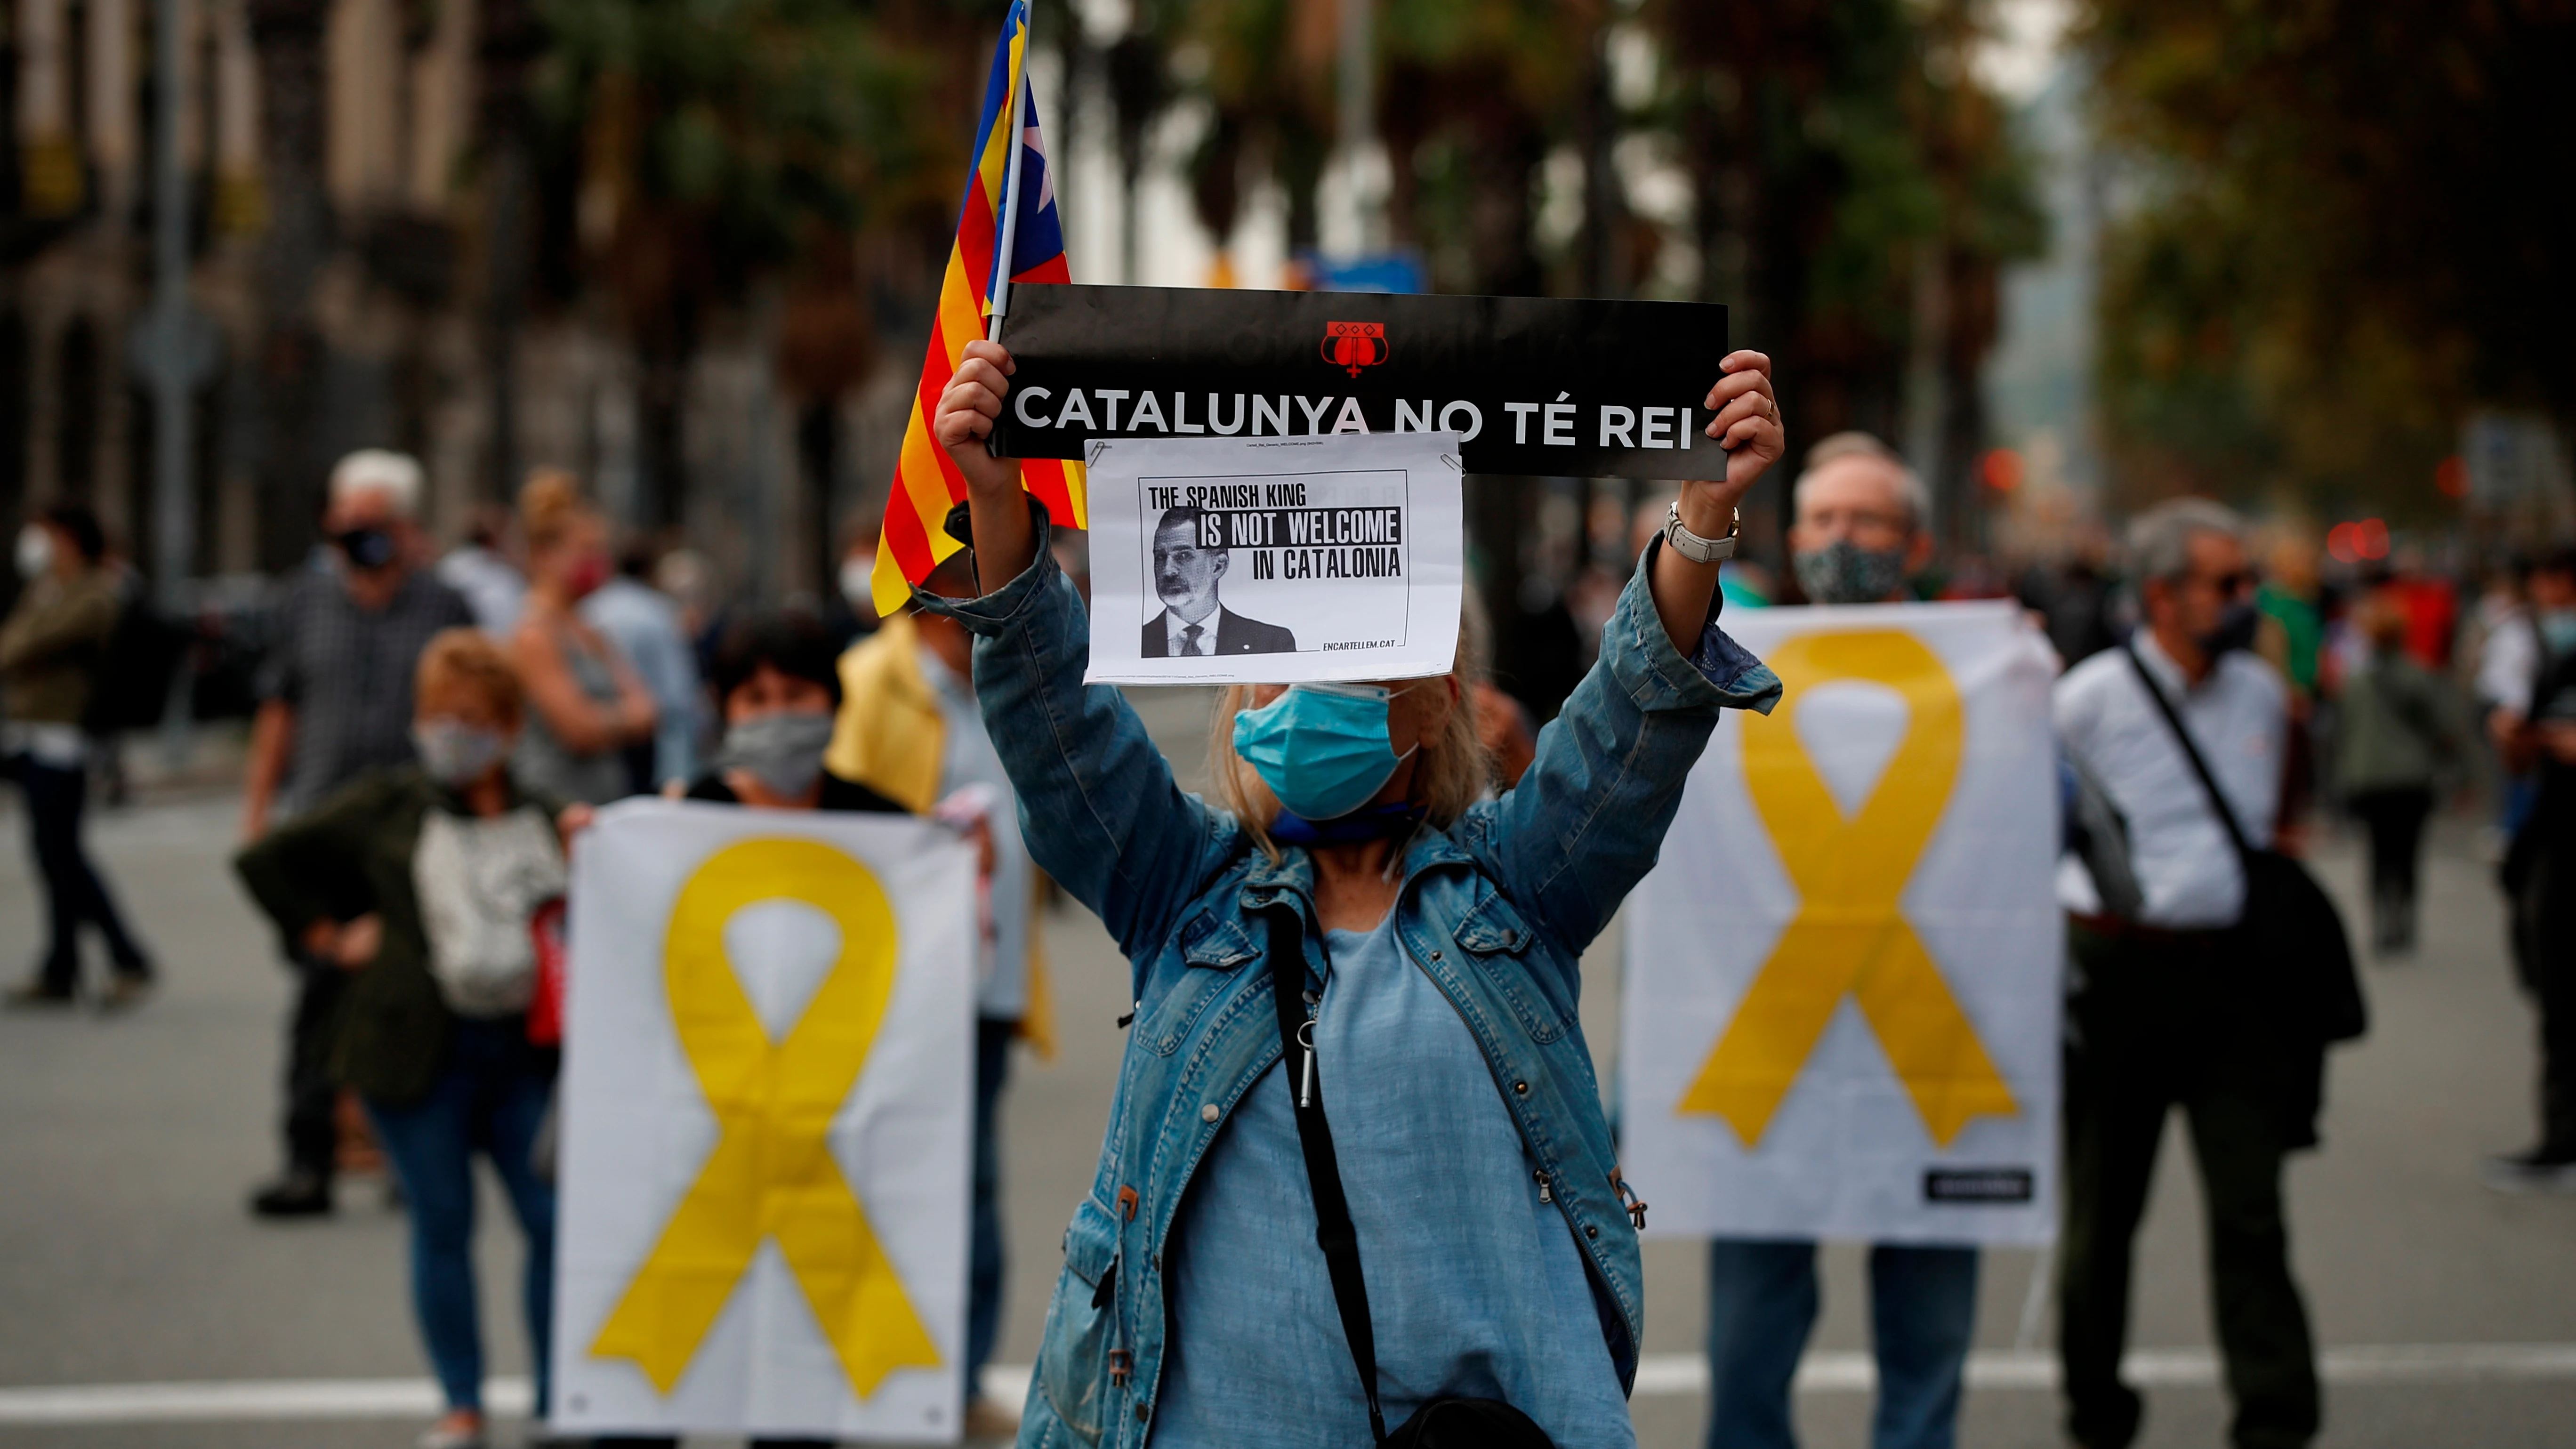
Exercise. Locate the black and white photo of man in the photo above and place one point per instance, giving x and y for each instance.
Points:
(1194, 621)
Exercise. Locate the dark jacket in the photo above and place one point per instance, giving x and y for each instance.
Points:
(838, 794)
(1235, 634)
(350, 855)
(51, 646)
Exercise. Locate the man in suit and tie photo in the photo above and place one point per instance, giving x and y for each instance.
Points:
(1194, 621)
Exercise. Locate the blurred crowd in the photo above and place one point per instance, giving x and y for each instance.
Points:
(431, 729)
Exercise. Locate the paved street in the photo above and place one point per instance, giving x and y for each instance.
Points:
(126, 1146)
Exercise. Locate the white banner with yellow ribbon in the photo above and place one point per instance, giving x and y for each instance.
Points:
(763, 1169)
(1842, 984)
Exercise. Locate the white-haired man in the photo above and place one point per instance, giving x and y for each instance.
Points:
(2160, 1011)
(335, 701)
(1857, 534)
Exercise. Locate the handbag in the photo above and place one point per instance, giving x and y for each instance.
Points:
(1453, 1423)
(2290, 930)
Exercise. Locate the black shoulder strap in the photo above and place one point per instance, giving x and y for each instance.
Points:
(2200, 767)
(1333, 1230)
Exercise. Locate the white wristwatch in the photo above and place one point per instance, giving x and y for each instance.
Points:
(1695, 548)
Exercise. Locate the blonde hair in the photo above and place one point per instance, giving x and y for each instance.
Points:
(470, 657)
(1451, 771)
(550, 505)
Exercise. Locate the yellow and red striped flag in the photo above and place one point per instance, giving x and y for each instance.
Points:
(983, 261)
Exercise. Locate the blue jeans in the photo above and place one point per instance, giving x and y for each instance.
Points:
(1762, 1300)
(993, 1036)
(491, 1095)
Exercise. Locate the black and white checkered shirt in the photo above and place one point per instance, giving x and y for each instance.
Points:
(348, 673)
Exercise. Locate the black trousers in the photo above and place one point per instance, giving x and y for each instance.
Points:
(74, 893)
(312, 1090)
(2544, 919)
(2395, 819)
(2159, 1022)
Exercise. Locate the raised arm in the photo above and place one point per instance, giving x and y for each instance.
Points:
(1098, 804)
(1587, 819)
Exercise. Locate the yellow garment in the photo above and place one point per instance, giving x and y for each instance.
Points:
(891, 738)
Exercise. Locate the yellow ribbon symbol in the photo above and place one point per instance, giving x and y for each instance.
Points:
(772, 1173)
(1850, 936)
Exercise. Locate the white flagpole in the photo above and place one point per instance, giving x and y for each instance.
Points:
(1011, 179)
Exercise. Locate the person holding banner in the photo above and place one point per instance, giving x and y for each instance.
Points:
(421, 882)
(1858, 534)
(2164, 1010)
(908, 730)
(1440, 1122)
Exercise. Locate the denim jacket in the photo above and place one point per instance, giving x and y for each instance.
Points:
(1497, 909)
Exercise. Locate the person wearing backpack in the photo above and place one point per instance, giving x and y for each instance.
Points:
(50, 650)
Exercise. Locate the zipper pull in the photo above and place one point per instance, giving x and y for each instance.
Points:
(1121, 1364)
(1544, 1193)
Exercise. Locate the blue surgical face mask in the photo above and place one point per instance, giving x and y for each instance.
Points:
(1321, 748)
(2558, 630)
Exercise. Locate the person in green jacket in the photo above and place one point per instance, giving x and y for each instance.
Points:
(2396, 730)
(424, 881)
(50, 652)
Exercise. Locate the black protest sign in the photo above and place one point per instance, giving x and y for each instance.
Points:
(1534, 385)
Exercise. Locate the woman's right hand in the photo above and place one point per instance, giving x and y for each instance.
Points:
(1005, 542)
(966, 415)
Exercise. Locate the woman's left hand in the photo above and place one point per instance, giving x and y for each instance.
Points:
(1748, 427)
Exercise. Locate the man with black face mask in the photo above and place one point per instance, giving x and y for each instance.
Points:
(2161, 1010)
(1857, 534)
(335, 702)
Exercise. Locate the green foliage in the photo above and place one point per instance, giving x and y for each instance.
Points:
(749, 123)
(2346, 224)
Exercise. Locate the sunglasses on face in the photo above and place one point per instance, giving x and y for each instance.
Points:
(2229, 585)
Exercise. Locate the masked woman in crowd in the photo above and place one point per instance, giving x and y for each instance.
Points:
(423, 880)
(1437, 1120)
(586, 703)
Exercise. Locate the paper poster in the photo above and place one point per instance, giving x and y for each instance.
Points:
(1275, 560)
(1843, 974)
(766, 1106)
(1532, 385)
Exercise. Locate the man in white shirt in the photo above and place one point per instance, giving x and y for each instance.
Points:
(2160, 1011)
(1858, 535)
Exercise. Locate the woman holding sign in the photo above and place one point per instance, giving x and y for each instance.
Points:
(1358, 1148)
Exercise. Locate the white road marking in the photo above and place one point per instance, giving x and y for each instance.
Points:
(1659, 1375)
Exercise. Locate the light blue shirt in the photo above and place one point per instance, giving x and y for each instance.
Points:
(645, 626)
(1475, 1286)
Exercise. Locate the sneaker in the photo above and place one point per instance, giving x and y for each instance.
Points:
(125, 991)
(299, 1194)
(37, 996)
(986, 1419)
(2530, 1172)
(461, 1429)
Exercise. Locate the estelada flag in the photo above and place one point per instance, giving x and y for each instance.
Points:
(926, 481)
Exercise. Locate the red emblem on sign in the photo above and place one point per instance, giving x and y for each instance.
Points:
(1354, 345)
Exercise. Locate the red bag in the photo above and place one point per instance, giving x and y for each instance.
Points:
(545, 1008)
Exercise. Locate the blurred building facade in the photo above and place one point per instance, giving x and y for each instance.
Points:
(412, 333)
